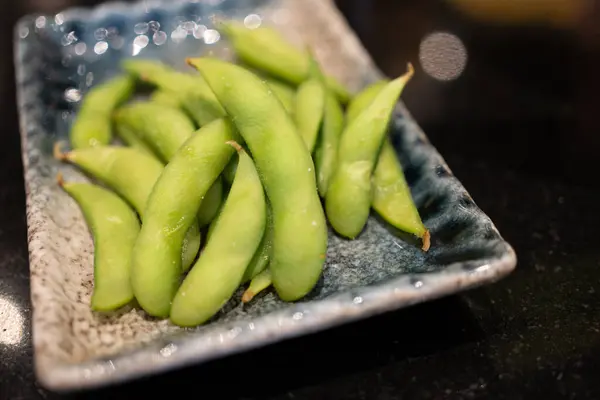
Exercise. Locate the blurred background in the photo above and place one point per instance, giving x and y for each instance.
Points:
(514, 82)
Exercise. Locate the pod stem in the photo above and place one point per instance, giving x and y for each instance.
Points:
(60, 180)
(410, 71)
(248, 296)
(259, 283)
(235, 145)
(426, 240)
(58, 153)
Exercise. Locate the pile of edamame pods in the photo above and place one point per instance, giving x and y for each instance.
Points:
(251, 158)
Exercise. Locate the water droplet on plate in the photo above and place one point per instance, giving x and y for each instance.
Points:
(211, 36)
(168, 350)
(154, 26)
(100, 47)
(357, 300)
(189, 26)
(68, 38)
(252, 21)
(100, 34)
(40, 22)
(159, 38)
(417, 283)
(81, 69)
(59, 19)
(141, 28)
(139, 43)
(89, 79)
(23, 32)
(199, 31)
(297, 316)
(233, 332)
(80, 49)
(178, 35)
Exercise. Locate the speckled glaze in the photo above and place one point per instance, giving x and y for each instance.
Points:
(57, 60)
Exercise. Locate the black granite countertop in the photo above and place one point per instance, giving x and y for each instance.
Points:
(518, 125)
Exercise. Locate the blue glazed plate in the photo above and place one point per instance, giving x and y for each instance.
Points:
(59, 57)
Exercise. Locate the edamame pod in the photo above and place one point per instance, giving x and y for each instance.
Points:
(285, 93)
(348, 199)
(260, 260)
(229, 172)
(286, 170)
(308, 111)
(326, 151)
(392, 199)
(132, 174)
(114, 227)
(133, 140)
(363, 99)
(166, 97)
(171, 210)
(391, 195)
(259, 283)
(236, 236)
(266, 49)
(195, 96)
(211, 203)
(163, 128)
(92, 126)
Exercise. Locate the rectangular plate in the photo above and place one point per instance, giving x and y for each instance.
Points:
(58, 57)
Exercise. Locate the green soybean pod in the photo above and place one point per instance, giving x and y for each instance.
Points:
(392, 198)
(132, 174)
(165, 129)
(171, 210)
(114, 227)
(162, 127)
(363, 99)
(286, 170)
(308, 112)
(229, 172)
(166, 97)
(211, 203)
(259, 283)
(285, 93)
(130, 139)
(260, 260)
(327, 148)
(348, 199)
(195, 95)
(92, 125)
(218, 272)
(267, 50)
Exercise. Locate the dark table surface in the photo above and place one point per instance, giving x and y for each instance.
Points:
(519, 126)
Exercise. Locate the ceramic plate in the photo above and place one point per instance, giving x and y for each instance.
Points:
(58, 57)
